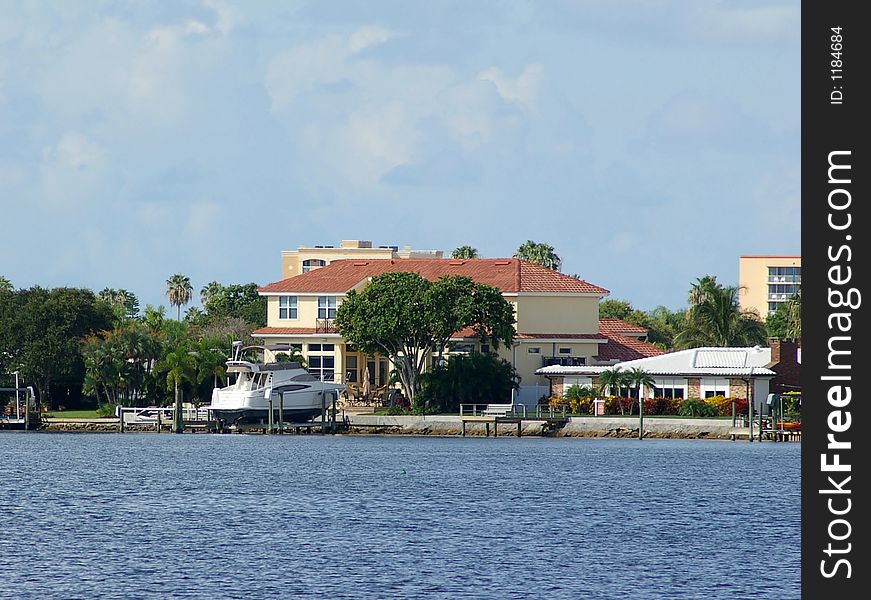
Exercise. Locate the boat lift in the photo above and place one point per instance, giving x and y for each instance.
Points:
(22, 413)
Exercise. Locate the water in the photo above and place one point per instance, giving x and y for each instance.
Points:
(200, 516)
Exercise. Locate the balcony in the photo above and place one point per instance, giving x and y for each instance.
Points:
(564, 361)
(325, 326)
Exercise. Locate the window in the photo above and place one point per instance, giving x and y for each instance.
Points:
(326, 307)
(322, 367)
(287, 307)
(462, 348)
(351, 369)
(565, 350)
(714, 387)
(321, 347)
(534, 350)
(312, 263)
(669, 388)
(485, 348)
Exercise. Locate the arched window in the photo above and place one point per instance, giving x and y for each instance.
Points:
(312, 263)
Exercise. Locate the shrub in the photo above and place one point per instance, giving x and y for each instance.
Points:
(106, 410)
(618, 406)
(723, 405)
(396, 409)
(467, 379)
(579, 399)
(695, 407)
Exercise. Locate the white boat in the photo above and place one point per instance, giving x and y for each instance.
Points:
(296, 394)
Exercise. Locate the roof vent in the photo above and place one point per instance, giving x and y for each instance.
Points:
(361, 263)
(502, 262)
(457, 263)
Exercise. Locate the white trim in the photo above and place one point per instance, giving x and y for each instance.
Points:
(293, 335)
(300, 294)
(560, 340)
(558, 294)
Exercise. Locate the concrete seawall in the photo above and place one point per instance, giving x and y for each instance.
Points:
(575, 427)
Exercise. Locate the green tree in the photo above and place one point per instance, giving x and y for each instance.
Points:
(404, 317)
(636, 379)
(236, 300)
(785, 322)
(180, 368)
(5, 285)
(41, 332)
(714, 318)
(540, 254)
(613, 308)
(209, 291)
(178, 292)
(661, 324)
(124, 304)
(473, 379)
(610, 382)
(465, 252)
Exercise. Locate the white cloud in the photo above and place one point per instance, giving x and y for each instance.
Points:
(368, 36)
(72, 170)
(523, 90)
(227, 17)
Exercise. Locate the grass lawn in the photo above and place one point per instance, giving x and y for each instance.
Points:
(72, 414)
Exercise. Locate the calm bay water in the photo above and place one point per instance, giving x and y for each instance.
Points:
(200, 516)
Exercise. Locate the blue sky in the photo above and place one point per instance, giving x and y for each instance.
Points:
(649, 141)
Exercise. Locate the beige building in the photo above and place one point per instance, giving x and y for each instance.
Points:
(557, 318)
(767, 281)
(305, 258)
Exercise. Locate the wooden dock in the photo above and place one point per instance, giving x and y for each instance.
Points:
(515, 423)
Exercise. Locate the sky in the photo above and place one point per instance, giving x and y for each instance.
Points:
(649, 141)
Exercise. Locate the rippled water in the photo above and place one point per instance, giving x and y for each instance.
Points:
(204, 516)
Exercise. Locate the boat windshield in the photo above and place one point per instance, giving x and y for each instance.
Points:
(246, 381)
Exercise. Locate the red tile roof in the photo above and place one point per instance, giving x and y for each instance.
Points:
(509, 275)
(619, 326)
(622, 348)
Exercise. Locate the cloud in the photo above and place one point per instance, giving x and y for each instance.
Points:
(72, 171)
(366, 37)
(378, 117)
(443, 169)
(523, 90)
(691, 120)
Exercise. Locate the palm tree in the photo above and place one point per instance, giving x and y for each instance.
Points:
(702, 289)
(180, 366)
(793, 316)
(715, 319)
(540, 254)
(178, 291)
(638, 378)
(610, 382)
(5, 285)
(208, 291)
(465, 252)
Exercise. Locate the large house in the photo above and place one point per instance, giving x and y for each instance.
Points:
(765, 282)
(557, 318)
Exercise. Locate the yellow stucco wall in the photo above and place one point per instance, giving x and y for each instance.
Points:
(557, 314)
(753, 280)
(307, 312)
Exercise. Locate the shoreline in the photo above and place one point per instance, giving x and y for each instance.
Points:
(361, 424)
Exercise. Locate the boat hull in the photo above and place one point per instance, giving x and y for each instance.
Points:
(257, 415)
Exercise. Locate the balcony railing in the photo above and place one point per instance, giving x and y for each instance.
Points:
(563, 361)
(325, 326)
